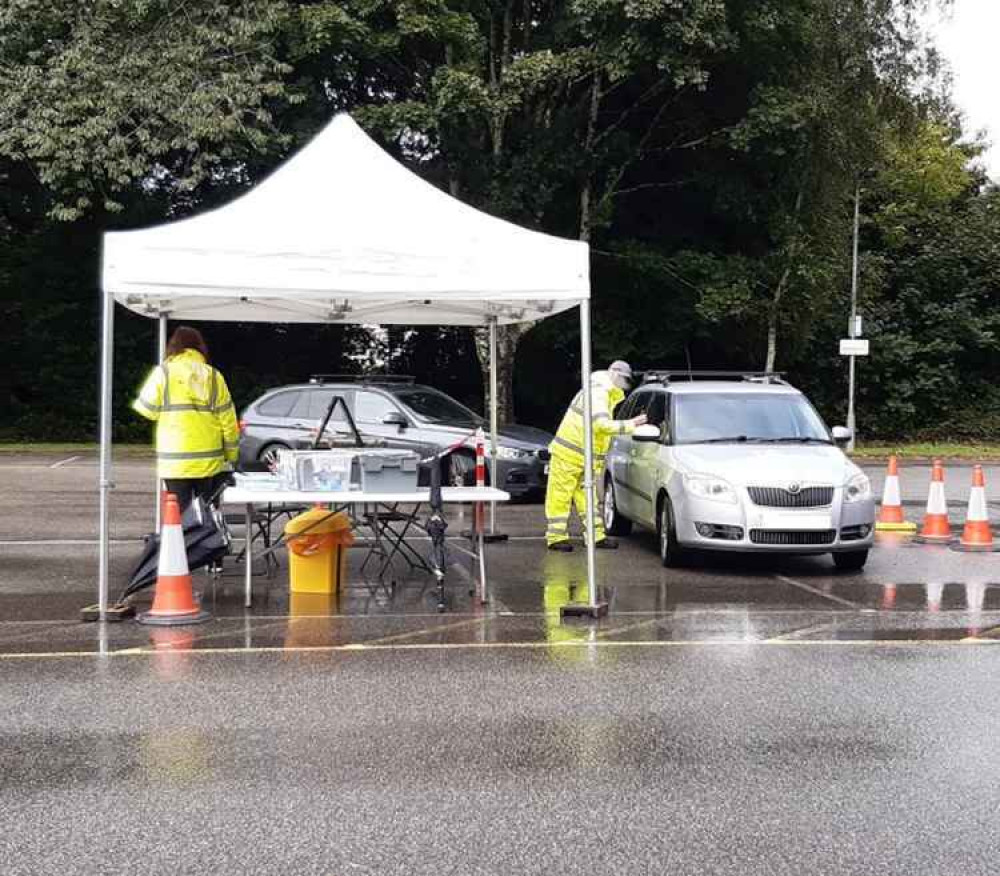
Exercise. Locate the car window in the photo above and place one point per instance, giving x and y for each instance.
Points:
(278, 405)
(655, 410)
(319, 401)
(372, 407)
(436, 406)
(746, 416)
(640, 404)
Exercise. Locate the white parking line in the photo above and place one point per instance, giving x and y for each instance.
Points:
(63, 462)
(66, 542)
(830, 596)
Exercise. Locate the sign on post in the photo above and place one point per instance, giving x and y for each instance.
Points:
(853, 347)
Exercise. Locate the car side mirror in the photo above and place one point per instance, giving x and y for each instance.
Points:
(646, 433)
(841, 434)
(395, 418)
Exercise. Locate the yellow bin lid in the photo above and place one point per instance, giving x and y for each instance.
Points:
(313, 522)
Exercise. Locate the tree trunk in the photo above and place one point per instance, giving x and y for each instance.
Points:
(772, 319)
(508, 337)
(779, 290)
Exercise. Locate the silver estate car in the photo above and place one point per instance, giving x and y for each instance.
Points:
(739, 463)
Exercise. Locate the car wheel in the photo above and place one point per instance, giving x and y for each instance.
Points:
(614, 523)
(850, 561)
(269, 453)
(670, 551)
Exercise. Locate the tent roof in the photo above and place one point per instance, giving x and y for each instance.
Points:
(342, 232)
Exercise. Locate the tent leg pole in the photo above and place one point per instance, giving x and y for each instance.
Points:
(161, 354)
(493, 420)
(107, 361)
(593, 608)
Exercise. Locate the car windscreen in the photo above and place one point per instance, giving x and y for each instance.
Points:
(429, 404)
(744, 416)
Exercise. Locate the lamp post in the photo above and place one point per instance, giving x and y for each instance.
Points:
(852, 325)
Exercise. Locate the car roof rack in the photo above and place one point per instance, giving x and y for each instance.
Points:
(362, 378)
(657, 376)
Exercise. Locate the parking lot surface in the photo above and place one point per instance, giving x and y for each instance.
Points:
(742, 715)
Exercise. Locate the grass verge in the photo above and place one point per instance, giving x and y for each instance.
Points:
(137, 450)
(929, 450)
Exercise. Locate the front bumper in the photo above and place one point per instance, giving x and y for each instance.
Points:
(523, 477)
(837, 528)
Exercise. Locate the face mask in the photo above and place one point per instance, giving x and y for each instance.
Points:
(619, 380)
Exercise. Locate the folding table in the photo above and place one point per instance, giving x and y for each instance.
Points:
(388, 503)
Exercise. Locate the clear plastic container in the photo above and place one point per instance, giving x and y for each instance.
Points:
(320, 471)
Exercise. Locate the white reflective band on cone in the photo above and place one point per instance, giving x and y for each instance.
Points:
(936, 503)
(890, 494)
(173, 554)
(977, 505)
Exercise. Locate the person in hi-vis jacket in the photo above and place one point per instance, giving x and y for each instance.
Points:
(565, 487)
(197, 435)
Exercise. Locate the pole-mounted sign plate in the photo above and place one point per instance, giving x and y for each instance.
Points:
(854, 347)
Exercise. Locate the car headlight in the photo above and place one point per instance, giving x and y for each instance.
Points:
(510, 453)
(858, 488)
(707, 487)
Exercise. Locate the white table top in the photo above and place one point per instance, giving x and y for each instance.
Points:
(450, 495)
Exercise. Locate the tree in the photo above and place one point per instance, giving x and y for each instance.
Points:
(103, 97)
(534, 111)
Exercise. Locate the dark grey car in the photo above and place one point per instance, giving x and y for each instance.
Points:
(393, 413)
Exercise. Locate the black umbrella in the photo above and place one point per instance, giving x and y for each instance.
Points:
(205, 540)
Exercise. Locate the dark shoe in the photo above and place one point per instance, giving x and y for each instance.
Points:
(563, 547)
(606, 544)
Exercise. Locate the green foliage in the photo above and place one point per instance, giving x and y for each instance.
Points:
(707, 149)
(104, 95)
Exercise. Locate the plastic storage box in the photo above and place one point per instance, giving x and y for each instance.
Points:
(388, 471)
(317, 470)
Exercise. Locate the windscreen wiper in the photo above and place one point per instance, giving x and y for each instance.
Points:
(796, 440)
(732, 439)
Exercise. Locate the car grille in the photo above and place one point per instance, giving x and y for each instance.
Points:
(779, 497)
(792, 536)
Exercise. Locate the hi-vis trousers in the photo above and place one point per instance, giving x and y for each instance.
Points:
(565, 490)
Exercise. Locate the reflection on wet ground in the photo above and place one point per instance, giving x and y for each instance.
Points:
(644, 614)
(905, 594)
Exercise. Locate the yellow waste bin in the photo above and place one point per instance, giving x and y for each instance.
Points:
(317, 551)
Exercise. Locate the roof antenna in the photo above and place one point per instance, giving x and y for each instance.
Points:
(687, 352)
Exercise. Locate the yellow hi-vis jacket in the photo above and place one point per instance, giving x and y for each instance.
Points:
(604, 398)
(196, 430)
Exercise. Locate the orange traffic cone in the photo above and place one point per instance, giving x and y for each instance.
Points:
(936, 528)
(173, 602)
(977, 535)
(890, 514)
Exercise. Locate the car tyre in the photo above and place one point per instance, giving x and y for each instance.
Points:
(671, 554)
(850, 561)
(269, 453)
(614, 522)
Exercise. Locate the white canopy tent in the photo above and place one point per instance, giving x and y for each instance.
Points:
(341, 233)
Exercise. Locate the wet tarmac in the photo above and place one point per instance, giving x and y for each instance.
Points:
(743, 715)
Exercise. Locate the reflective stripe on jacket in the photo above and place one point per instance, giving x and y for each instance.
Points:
(604, 398)
(196, 429)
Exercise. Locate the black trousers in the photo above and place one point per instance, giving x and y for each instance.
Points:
(187, 488)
